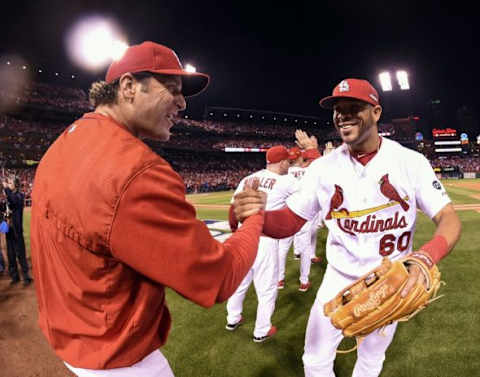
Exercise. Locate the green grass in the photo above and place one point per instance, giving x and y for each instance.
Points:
(460, 194)
(442, 341)
(222, 197)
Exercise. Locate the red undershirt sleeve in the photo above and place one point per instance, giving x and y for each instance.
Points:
(311, 154)
(282, 223)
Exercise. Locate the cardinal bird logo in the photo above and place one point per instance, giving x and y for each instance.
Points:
(390, 193)
(335, 202)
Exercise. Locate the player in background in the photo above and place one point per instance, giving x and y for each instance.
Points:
(278, 185)
(368, 191)
(316, 222)
(302, 240)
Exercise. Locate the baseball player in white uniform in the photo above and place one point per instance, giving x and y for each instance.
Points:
(278, 185)
(368, 191)
(302, 240)
(316, 222)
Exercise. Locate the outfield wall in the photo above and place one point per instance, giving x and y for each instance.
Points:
(460, 175)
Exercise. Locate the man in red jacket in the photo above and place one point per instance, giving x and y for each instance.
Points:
(111, 227)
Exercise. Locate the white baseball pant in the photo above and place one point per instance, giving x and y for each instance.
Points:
(322, 338)
(264, 274)
(283, 248)
(303, 246)
(316, 224)
(153, 365)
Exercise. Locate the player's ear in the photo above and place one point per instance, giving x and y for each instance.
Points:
(377, 112)
(127, 87)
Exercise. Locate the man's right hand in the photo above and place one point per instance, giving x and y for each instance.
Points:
(249, 202)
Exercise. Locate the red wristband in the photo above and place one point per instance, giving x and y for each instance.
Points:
(437, 248)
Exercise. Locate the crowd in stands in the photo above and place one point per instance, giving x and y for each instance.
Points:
(195, 149)
(281, 130)
(23, 140)
(465, 164)
(48, 96)
(215, 171)
(205, 172)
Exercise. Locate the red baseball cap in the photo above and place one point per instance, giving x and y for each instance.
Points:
(276, 154)
(354, 89)
(294, 153)
(156, 58)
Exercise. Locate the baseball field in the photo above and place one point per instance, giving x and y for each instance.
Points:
(442, 341)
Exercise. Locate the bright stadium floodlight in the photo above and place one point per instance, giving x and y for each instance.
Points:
(385, 81)
(118, 48)
(94, 42)
(402, 78)
(190, 68)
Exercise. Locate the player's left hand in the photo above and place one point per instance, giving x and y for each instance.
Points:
(415, 275)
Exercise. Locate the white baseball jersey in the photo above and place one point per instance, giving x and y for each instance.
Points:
(370, 210)
(296, 171)
(285, 185)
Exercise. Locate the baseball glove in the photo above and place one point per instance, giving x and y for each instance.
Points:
(375, 301)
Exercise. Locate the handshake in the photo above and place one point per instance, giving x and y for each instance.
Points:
(249, 202)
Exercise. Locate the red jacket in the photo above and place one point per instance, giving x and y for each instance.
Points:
(110, 228)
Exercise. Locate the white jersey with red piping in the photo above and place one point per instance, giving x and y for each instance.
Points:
(370, 210)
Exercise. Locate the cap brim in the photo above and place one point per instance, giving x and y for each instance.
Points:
(193, 83)
(328, 102)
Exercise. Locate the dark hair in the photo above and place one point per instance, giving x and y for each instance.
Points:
(103, 93)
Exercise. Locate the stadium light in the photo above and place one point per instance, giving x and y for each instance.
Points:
(402, 78)
(190, 68)
(118, 49)
(385, 81)
(94, 42)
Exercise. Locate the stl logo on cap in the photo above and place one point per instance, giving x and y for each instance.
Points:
(357, 89)
(343, 86)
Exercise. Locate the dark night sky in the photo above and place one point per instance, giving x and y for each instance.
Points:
(263, 55)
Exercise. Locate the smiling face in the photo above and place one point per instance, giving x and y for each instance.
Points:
(157, 105)
(356, 121)
(149, 104)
